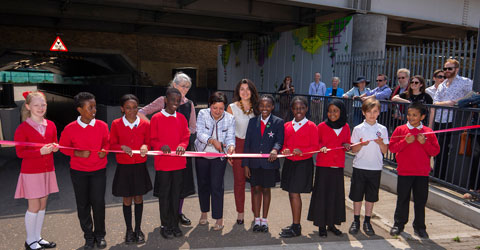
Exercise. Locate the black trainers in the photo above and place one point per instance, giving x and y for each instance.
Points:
(396, 230)
(422, 233)
(354, 228)
(139, 237)
(368, 229)
(130, 237)
(256, 228)
(264, 228)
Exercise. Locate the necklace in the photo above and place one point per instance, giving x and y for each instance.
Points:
(247, 112)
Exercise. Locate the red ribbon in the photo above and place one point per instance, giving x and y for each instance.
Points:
(208, 154)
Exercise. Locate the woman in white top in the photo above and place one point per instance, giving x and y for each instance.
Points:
(244, 107)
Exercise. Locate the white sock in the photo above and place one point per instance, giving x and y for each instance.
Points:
(257, 221)
(264, 221)
(38, 226)
(30, 221)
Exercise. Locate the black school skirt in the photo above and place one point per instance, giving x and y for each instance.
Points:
(188, 187)
(131, 180)
(266, 178)
(297, 176)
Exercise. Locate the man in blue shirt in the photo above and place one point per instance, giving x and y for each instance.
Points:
(382, 93)
(317, 88)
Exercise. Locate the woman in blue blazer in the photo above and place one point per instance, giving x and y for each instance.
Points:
(265, 136)
(335, 90)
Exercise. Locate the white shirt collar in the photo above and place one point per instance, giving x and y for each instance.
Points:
(266, 120)
(131, 125)
(368, 124)
(84, 125)
(412, 127)
(298, 125)
(166, 114)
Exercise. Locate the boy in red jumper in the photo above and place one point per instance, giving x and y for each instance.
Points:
(87, 168)
(413, 150)
(169, 129)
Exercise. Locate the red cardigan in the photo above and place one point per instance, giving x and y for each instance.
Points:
(32, 161)
(305, 139)
(413, 158)
(133, 138)
(88, 138)
(328, 138)
(171, 131)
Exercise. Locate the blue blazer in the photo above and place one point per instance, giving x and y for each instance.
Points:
(256, 143)
(339, 92)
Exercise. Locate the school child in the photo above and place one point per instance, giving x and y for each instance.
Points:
(413, 150)
(169, 130)
(301, 136)
(131, 180)
(367, 164)
(88, 168)
(37, 174)
(264, 134)
(327, 204)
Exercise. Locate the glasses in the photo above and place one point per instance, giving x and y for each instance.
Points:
(402, 77)
(449, 68)
(440, 77)
(380, 80)
(415, 82)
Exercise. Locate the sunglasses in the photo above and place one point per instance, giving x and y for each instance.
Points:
(401, 77)
(380, 80)
(440, 77)
(449, 68)
(415, 82)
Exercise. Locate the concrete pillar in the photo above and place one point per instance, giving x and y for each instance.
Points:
(369, 33)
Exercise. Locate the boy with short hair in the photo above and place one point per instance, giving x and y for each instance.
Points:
(413, 150)
(88, 167)
(367, 165)
(169, 130)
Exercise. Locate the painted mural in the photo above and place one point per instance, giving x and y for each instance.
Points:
(298, 53)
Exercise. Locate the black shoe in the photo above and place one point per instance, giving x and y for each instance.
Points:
(256, 228)
(368, 229)
(240, 222)
(177, 232)
(184, 220)
(49, 244)
(334, 230)
(130, 238)
(166, 233)
(89, 244)
(354, 227)
(422, 233)
(101, 243)
(291, 232)
(28, 246)
(139, 237)
(396, 230)
(322, 232)
(287, 228)
(264, 228)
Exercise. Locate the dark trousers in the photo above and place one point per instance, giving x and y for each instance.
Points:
(89, 188)
(406, 185)
(210, 173)
(169, 185)
(441, 161)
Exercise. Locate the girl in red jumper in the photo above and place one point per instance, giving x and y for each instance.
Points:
(131, 179)
(301, 136)
(327, 205)
(37, 175)
(413, 151)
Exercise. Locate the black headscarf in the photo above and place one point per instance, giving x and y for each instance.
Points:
(343, 115)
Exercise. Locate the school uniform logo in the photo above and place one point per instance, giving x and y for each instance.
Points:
(379, 134)
(270, 134)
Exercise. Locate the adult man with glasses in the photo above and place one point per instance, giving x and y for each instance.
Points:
(382, 93)
(438, 77)
(452, 89)
(403, 77)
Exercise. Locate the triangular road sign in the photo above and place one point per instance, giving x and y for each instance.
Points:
(58, 45)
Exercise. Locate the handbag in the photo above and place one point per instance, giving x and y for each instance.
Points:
(465, 144)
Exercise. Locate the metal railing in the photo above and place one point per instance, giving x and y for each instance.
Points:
(457, 171)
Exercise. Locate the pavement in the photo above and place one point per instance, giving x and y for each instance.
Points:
(62, 226)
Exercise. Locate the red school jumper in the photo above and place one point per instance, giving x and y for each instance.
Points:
(133, 138)
(413, 159)
(328, 138)
(305, 139)
(88, 138)
(32, 161)
(171, 131)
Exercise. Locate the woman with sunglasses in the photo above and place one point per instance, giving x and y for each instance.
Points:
(438, 78)
(415, 93)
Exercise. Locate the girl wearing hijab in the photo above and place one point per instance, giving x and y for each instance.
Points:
(327, 205)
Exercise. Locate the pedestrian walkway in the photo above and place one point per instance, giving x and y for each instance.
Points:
(62, 226)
